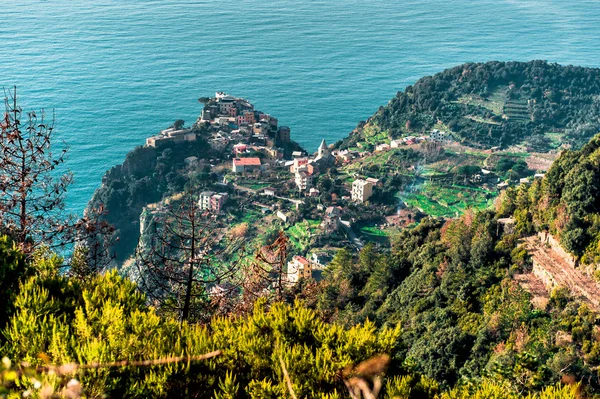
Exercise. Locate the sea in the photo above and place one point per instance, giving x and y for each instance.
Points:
(117, 71)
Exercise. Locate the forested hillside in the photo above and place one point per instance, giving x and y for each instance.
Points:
(566, 202)
(95, 336)
(496, 104)
(437, 314)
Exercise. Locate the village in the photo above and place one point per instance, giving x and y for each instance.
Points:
(335, 198)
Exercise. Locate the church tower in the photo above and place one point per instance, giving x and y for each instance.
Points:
(323, 150)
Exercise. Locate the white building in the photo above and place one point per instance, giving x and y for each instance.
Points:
(361, 190)
(303, 178)
(382, 147)
(396, 143)
(440, 136)
(299, 267)
(204, 201)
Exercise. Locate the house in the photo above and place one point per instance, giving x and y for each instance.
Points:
(260, 129)
(486, 174)
(299, 267)
(374, 181)
(396, 143)
(240, 148)
(382, 147)
(539, 175)
(440, 136)
(297, 154)
(217, 201)
(209, 200)
(524, 180)
(298, 163)
(271, 121)
(270, 191)
(503, 185)
(246, 118)
(227, 105)
(283, 216)
(156, 141)
(303, 178)
(243, 165)
(313, 192)
(345, 156)
(361, 190)
(319, 260)
(409, 140)
(171, 135)
(508, 225)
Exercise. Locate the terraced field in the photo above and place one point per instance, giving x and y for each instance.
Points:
(301, 233)
(448, 201)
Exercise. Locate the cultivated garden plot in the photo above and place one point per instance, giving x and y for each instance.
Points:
(448, 201)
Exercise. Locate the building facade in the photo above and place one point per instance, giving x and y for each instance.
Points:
(243, 165)
(299, 267)
(361, 190)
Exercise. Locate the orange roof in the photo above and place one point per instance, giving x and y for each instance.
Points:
(246, 162)
(301, 259)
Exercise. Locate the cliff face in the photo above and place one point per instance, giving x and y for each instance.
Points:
(145, 177)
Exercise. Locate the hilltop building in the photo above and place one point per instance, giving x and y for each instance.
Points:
(171, 135)
(332, 219)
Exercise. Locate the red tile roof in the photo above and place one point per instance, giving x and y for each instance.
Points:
(246, 162)
(301, 259)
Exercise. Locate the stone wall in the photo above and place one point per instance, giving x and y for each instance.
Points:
(547, 238)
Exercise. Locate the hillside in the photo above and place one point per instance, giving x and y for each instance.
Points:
(566, 203)
(410, 271)
(537, 104)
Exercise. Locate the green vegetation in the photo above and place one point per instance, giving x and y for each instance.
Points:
(87, 332)
(301, 233)
(566, 202)
(431, 311)
(494, 104)
(464, 318)
(448, 201)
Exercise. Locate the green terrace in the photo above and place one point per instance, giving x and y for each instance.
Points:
(448, 201)
(301, 233)
(495, 102)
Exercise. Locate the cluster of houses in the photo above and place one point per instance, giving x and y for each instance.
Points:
(234, 119)
(231, 120)
(305, 169)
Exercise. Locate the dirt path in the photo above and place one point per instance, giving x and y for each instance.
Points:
(554, 270)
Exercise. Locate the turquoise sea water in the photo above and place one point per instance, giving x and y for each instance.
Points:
(117, 71)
